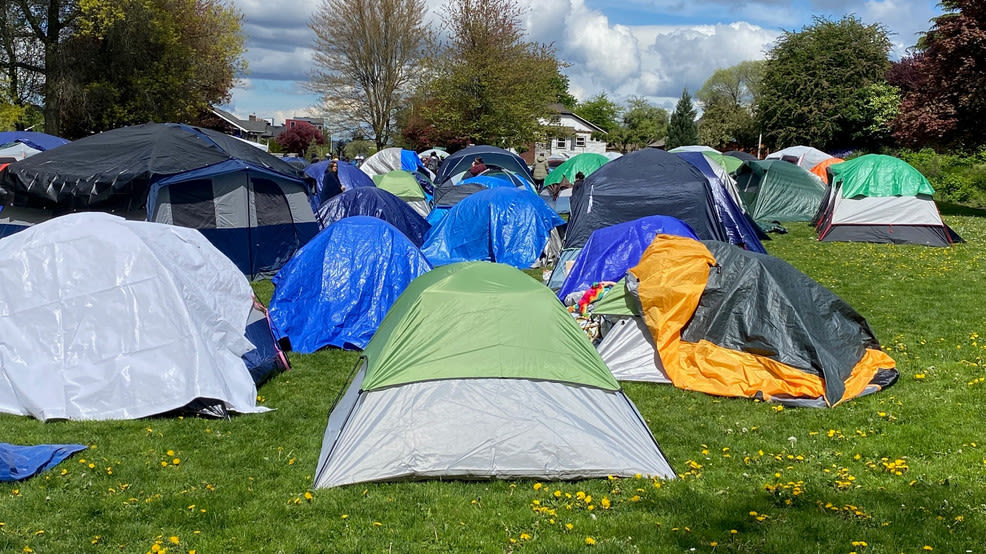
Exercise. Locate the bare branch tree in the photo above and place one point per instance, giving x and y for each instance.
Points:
(366, 56)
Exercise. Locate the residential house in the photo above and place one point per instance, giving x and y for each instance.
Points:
(570, 135)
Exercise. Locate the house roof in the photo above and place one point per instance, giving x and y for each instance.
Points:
(560, 109)
(257, 126)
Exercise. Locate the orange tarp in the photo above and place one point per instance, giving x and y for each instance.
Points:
(820, 168)
(672, 274)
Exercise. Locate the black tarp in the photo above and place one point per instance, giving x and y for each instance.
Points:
(760, 304)
(114, 170)
(449, 195)
(642, 183)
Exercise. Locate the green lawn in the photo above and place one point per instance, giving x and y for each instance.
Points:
(900, 471)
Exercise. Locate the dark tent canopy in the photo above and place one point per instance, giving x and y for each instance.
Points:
(378, 203)
(113, 171)
(642, 183)
(492, 156)
(740, 155)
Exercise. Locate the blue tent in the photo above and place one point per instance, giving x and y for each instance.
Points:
(38, 141)
(492, 157)
(266, 358)
(257, 217)
(613, 250)
(338, 288)
(376, 203)
(492, 180)
(738, 228)
(350, 176)
(505, 225)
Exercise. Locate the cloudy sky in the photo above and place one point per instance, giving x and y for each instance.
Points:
(649, 48)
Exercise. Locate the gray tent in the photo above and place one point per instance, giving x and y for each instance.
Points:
(520, 395)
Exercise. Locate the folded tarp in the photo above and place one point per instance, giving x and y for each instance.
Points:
(20, 462)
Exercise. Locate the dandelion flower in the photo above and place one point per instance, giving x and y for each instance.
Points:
(308, 496)
(589, 541)
(173, 540)
(537, 486)
(525, 537)
(569, 526)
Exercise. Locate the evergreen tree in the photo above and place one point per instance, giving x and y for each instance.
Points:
(683, 130)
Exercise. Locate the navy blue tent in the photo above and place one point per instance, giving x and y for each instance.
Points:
(505, 225)
(38, 141)
(741, 232)
(257, 217)
(376, 203)
(338, 288)
(642, 183)
(266, 358)
(613, 250)
(492, 157)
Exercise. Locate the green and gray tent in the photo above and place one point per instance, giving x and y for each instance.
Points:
(403, 185)
(478, 372)
(778, 191)
(877, 198)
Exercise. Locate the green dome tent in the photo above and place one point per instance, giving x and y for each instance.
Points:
(403, 185)
(478, 372)
(877, 198)
(776, 190)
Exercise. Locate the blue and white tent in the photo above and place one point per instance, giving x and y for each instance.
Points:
(505, 225)
(492, 157)
(338, 288)
(257, 217)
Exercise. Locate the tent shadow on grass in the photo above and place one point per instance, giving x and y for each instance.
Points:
(947, 208)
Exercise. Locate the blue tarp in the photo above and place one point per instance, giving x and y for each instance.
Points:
(376, 203)
(38, 141)
(350, 176)
(738, 227)
(338, 288)
(613, 250)
(505, 225)
(21, 462)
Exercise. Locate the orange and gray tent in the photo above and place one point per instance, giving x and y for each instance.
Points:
(821, 168)
(877, 198)
(478, 372)
(730, 322)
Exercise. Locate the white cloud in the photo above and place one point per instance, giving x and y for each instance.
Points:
(649, 48)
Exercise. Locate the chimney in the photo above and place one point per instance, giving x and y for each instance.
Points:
(253, 117)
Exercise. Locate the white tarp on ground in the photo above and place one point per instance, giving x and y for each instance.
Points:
(485, 428)
(104, 318)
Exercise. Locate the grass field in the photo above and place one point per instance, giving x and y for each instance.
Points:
(899, 471)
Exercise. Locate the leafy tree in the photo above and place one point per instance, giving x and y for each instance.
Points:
(367, 54)
(682, 130)
(815, 83)
(944, 85)
(643, 124)
(599, 110)
(489, 85)
(729, 99)
(300, 137)
(98, 64)
(560, 83)
(134, 61)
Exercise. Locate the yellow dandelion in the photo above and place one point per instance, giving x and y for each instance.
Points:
(538, 486)
(557, 494)
(604, 503)
(926, 547)
(308, 496)
(176, 461)
(164, 464)
(569, 526)
(171, 453)
(713, 544)
(589, 541)
(173, 539)
(377, 524)
(345, 516)
(525, 537)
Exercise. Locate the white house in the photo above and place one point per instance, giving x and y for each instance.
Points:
(573, 135)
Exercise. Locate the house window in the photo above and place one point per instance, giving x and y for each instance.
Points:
(580, 141)
(561, 143)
